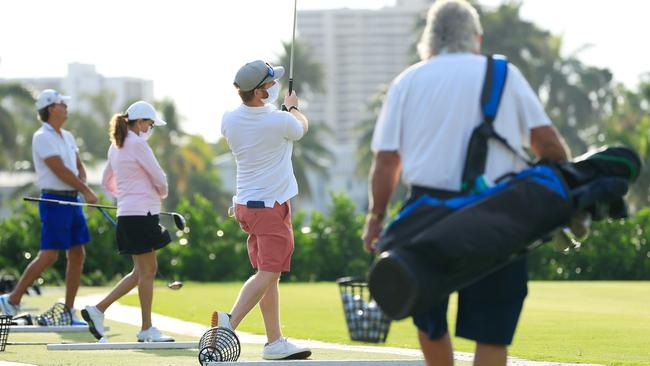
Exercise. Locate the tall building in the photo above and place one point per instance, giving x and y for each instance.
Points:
(83, 80)
(360, 50)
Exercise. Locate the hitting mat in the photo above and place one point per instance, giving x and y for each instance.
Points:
(50, 329)
(121, 345)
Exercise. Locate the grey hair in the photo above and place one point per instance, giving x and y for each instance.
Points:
(452, 26)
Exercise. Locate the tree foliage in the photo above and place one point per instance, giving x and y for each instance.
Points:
(327, 246)
(17, 117)
(310, 154)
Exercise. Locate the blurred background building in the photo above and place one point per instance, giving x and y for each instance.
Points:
(360, 50)
(83, 81)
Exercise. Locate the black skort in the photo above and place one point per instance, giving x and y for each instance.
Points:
(140, 234)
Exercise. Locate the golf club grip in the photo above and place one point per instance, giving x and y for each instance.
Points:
(290, 85)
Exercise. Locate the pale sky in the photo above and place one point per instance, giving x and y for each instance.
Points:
(192, 49)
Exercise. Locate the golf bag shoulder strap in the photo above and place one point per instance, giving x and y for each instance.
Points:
(496, 74)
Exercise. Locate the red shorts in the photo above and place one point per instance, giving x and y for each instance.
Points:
(270, 236)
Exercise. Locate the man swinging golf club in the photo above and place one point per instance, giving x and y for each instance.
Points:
(261, 139)
(61, 176)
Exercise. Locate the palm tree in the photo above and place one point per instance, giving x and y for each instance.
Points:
(9, 126)
(187, 160)
(310, 154)
(365, 129)
(101, 104)
(629, 124)
(308, 74)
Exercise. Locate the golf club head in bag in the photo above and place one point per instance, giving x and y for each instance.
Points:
(219, 344)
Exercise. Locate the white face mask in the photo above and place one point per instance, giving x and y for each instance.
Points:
(274, 93)
(147, 134)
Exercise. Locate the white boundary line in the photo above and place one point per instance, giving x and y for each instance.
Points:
(49, 329)
(121, 345)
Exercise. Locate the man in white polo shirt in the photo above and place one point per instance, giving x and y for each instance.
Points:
(423, 131)
(261, 139)
(61, 176)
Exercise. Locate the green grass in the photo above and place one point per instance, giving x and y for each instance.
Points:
(589, 322)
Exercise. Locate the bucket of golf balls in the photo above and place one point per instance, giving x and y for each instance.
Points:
(366, 322)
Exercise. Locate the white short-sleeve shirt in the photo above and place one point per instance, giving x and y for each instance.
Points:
(46, 143)
(432, 108)
(261, 140)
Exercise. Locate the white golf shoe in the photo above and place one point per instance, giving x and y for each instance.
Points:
(95, 320)
(153, 335)
(282, 349)
(220, 319)
(7, 307)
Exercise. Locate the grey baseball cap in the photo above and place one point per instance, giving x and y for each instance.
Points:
(256, 73)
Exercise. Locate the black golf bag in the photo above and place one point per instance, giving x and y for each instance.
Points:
(437, 246)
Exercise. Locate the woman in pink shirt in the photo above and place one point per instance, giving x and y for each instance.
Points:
(134, 177)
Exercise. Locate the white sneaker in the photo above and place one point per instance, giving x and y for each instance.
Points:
(153, 335)
(95, 319)
(282, 349)
(7, 307)
(75, 319)
(220, 319)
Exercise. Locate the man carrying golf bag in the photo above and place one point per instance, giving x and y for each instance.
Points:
(423, 132)
(61, 176)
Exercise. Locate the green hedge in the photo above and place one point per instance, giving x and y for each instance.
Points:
(328, 246)
(615, 250)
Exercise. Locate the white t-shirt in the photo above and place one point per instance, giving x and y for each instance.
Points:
(431, 110)
(261, 139)
(47, 143)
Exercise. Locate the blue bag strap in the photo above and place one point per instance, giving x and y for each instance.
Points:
(496, 74)
(495, 81)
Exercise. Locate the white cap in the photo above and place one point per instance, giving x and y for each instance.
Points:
(50, 96)
(144, 110)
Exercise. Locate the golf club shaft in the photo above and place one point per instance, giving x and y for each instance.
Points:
(106, 215)
(81, 204)
(293, 40)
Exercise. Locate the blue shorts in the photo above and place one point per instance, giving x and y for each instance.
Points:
(488, 310)
(62, 226)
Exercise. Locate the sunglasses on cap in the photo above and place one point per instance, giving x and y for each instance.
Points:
(269, 73)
